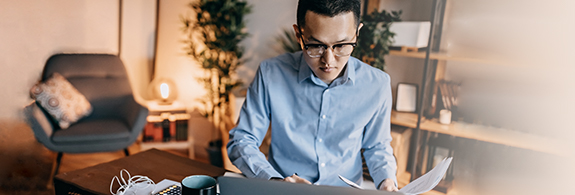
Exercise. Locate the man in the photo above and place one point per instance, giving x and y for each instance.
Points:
(324, 107)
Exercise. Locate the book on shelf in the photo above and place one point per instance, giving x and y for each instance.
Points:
(166, 131)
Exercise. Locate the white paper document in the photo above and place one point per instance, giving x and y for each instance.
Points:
(350, 183)
(429, 180)
(420, 185)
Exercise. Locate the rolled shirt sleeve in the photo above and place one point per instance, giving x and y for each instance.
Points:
(376, 144)
(247, 136)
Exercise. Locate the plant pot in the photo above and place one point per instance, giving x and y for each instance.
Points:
(215, 153)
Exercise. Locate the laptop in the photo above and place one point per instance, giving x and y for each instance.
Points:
(245, 186)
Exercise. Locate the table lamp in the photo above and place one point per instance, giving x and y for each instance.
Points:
(164, 90)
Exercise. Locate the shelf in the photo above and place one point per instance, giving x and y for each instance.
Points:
(441, 56)
(184, 145)
(484, 133)
(171, 117)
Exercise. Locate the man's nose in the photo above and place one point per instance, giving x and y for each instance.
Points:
(328, 57)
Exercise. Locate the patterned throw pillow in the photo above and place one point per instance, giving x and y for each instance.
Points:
(59, 98)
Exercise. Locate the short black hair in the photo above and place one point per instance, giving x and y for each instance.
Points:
(329, 8)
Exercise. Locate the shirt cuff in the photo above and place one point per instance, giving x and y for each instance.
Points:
(378, 186)
(269, 175)
(378, 178)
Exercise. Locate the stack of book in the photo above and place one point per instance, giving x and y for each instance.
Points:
(166, 126)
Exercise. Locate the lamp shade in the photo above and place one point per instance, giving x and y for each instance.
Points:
(163, 90)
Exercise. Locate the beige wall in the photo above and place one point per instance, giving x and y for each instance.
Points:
(171, 60)
(138, 43)
(32, 31)
(265, 23)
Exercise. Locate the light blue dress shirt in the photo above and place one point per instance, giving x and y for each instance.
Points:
(317, 130)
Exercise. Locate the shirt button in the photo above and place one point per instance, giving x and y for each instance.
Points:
(327, 90)
(320, 140)
(322, 164)
(323, 116)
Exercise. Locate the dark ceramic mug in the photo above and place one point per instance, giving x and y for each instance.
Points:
(199, 185)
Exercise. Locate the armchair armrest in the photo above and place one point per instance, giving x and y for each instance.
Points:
(39, 122)
(134, 114)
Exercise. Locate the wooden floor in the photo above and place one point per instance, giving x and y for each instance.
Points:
(31, 177)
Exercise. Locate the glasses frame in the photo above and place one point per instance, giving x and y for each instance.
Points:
(306, 46)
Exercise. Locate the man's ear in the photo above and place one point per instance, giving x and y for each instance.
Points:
(297, 34)
(359, 28)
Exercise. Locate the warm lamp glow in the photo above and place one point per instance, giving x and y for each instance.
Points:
(164, 90)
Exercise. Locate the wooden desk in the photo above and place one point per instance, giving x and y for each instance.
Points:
(155, 164)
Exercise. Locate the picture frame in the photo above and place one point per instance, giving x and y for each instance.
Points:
(406, 98)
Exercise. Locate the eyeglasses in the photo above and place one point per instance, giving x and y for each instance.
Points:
(317, 50)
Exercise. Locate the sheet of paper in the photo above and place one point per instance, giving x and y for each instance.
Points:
(350, 183)
(232, 174)
(420, 185)
(429, 180)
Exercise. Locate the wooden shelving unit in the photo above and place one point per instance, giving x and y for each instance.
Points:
(174, 113)
(444, 56)
(484, 133)
(434, 68)
(166, 145)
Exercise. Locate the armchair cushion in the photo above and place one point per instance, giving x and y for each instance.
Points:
(61, 100)
(103, 130)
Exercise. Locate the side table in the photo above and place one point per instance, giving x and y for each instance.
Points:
(178, 137)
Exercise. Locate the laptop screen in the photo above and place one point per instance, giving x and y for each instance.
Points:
(244, 186)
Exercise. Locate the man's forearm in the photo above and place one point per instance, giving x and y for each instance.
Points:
(246, 157)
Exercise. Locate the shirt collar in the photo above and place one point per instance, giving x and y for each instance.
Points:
(350, 70)
(349, 74)
(304, 70)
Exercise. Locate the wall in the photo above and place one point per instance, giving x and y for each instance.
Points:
(171, 59)
(32, 31)
(266, 22)
(138, 44)
(172, 62)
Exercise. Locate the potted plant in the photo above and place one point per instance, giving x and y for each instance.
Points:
(375, 38)
(213, 38)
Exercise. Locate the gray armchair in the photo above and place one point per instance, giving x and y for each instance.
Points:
(116, 120)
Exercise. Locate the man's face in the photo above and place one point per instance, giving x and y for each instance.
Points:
(329, 31)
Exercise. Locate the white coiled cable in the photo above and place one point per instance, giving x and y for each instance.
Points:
(130, 183)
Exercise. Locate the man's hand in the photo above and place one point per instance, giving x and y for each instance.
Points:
(388, 185)
(296, 179)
